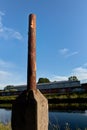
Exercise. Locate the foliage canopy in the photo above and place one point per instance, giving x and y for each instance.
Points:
(43, 80)
(73, 78)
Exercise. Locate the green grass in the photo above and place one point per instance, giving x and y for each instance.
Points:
(66, 127)
(66, 95)
(5, 126)
(6, 105)
(53, 126)
(50, 96)
(8, 97)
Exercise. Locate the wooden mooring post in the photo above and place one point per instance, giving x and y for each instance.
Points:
(30, 109)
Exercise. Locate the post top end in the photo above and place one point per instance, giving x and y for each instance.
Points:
(32, 15)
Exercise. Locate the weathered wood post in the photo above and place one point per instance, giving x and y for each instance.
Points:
(31, 69)
(30, 109)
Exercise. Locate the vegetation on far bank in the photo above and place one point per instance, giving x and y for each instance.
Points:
(67, 95)
(7, 97)
(7, 101)
(50, 96)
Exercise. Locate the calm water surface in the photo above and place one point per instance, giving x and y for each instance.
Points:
(57, 120)
(72, 120)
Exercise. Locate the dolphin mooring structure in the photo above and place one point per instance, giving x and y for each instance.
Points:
(30, 109)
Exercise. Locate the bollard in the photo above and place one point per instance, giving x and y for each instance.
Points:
(30, 109)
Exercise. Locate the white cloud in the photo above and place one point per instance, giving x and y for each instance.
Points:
(81, 73)
(4, 75)
(9, 75)
(63, 51)
(1, 13)
(4, 78)
(6, 32)
(85, 65)
(6, 64)
(67, 53)
(16, 35)
(72, 54)
(10, 78)
(58, 78)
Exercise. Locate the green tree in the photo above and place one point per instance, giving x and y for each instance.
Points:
(9, 87)
(73, 78)
(43, 80)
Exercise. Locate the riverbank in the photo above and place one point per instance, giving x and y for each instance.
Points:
(52, 96)
(73, 101)
(53, 126)
(66, 95)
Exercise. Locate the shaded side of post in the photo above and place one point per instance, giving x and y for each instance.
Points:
(31, 69)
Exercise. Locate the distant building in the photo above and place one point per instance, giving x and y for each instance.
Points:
(58, 86)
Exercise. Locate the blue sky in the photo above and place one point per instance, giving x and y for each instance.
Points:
(61, 39)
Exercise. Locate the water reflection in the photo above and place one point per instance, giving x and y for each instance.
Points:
(86, 112)
(72, 120)
(57, 120)
(5, 116)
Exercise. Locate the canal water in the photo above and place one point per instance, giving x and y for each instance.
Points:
(70, 120)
